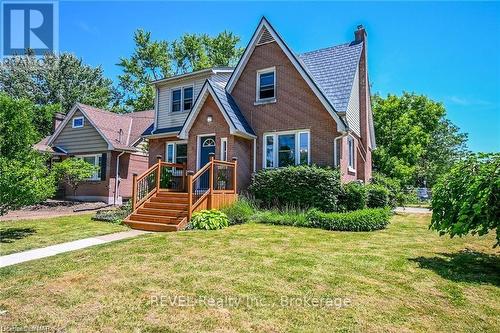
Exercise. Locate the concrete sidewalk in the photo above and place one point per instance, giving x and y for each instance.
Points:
(413, 210)
(49, 251)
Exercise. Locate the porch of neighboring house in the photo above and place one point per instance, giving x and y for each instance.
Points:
(167, 194)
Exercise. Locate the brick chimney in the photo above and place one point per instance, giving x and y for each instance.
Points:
(57, 120)
(360, 34)
(364, 164)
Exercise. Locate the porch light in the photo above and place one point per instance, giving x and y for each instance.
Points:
(209, 119)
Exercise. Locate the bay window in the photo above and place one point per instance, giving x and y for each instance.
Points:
(283, 149)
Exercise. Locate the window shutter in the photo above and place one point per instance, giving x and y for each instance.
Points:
(103, 165)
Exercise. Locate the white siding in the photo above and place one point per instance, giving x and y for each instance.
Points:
(352, 113)
(166, 118)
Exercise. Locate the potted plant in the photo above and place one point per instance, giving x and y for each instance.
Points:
(221, 179)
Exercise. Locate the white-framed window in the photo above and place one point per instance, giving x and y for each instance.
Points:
(182, 99)
(78, 122)
(94, 160)
(223, 149)
(176, 152)
(266, 85)
(351, 153)
(282, 149)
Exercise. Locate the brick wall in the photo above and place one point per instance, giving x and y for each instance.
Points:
(296, 107)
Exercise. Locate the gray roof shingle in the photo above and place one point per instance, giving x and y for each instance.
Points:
(333, 70)
(218, 83)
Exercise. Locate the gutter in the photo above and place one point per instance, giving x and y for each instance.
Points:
(344, 134)
(115, 196)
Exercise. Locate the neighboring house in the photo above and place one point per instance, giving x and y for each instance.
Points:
(276, 108)
(108, 140)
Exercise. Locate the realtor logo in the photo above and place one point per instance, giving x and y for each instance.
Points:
(29, 25)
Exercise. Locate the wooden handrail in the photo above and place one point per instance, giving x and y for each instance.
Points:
(202, 170)
(173, 165)
(147, 172)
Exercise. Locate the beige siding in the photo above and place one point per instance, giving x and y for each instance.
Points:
(79, 140)
(352, 113)
(166, 118)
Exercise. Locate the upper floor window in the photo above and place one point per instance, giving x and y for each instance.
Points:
(78, 122)
(266, 84)
(176, 100)
(182, 99)
(188, 98)
(286, 148)
(351, 153)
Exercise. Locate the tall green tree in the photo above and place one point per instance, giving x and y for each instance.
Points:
(415, 142)
(55, 79)
(24, 176)
(153, 60)
(150, 61)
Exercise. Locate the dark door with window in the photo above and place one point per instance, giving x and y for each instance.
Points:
(207, 147)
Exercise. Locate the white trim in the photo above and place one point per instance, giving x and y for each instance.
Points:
(275, 135)
(341, 126)
(351, 168)
(198, 148)
(78, 118)
(223, 153)
(207, 89)
(257, 86)
(174, 149)
(70, 114)
(254, 154)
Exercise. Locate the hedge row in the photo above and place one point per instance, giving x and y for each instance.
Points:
(359, 220)
(297, 186)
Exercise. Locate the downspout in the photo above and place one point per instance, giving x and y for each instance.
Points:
(115, 197)
(254, 155)
(344, 134)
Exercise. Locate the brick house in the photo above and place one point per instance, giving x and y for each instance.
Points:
(276, 108)
(110, 141)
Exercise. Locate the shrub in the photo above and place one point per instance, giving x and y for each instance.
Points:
(359, 220)
(377, 196)
(467, 198)
(353, 197)
(209, 220)
(114, 215)
(240, 212)
(290, 217)
(396, 195)
(300, 186)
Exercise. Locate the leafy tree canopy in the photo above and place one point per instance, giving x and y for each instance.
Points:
(153, 60)
(467, 198)
(415, 142)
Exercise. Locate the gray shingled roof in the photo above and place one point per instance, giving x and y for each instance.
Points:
(218, 83)
(333, 70)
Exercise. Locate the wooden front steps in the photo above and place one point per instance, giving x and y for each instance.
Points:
(164, 211)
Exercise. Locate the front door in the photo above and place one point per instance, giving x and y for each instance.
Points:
(207, 144)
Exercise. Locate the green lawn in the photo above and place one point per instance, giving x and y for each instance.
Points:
(405, 278)
(23, 235)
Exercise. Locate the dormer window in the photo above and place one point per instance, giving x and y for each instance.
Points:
(266, 85)
(182, 99)
(78, 122)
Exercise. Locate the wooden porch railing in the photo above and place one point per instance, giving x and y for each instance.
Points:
(213, 186)
(162, 175)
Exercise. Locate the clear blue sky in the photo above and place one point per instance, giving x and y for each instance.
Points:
(448, 51)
